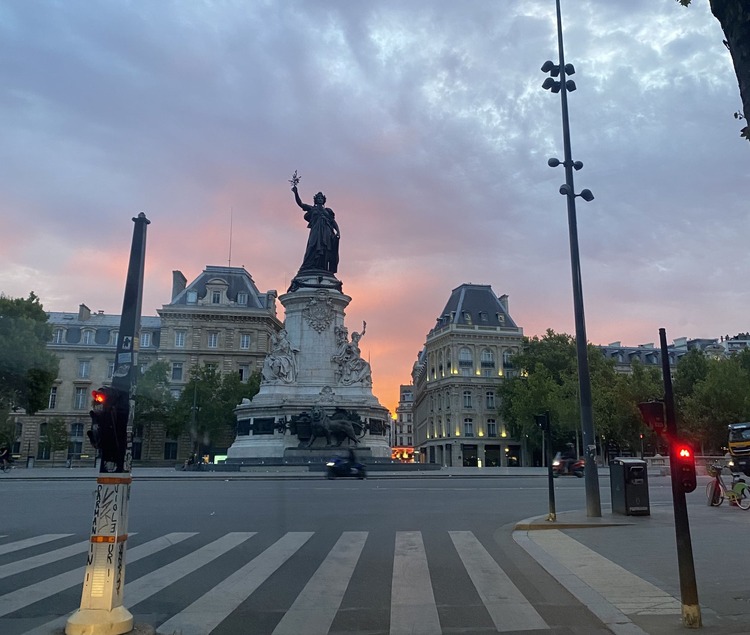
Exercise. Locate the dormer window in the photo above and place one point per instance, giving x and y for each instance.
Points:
(192, 297)
(58, 336)
(242, 299)
(88, 337)
(215, 297)
(145, 339)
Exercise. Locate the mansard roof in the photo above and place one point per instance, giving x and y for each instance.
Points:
(234, 280)
(475, 304)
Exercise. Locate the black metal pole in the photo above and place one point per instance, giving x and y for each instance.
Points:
(691, 610)
(591, 473)
(550, 475)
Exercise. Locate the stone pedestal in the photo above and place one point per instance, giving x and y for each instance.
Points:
(313, 367)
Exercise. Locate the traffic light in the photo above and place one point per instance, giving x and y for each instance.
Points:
(542, 421)
(653, 415)
(684, 468)
(109, 421)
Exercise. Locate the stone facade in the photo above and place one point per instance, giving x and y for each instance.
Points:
(465, 357)
(220, 318)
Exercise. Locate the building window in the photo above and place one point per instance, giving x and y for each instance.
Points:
(242, 299)
(113, 338)
(175, 392)
(487, 358)
(467, 398)
(192, 297)
(79, 402)
(491, 428)
(211, 367)
(76, 430)
(408, 441)
(170, 450)
(244, 372)
(506, 359)
(110, 370)
(408, 429)
(179, 339)
(245, 341)
(145, 339)
(84, 368)
(464, 357)
(215, 297)
(468, 427)
(490, 398)
(176, 371)
(58, 336)
(88, 337)
(52, 398)
(213, 339)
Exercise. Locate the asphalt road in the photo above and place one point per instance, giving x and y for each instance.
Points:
(445, 546)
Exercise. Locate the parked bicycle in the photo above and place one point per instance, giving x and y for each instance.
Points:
(717, 491)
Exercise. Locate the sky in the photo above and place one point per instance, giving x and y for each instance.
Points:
(423, 122)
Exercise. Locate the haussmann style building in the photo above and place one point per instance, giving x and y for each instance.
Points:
(455, 379)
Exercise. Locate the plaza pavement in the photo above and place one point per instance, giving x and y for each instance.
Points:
(623, 568)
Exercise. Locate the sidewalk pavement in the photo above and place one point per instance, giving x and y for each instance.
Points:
(623, 568)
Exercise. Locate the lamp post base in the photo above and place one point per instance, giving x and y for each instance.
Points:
(116, 621)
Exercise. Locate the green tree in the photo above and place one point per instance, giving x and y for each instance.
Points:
(57, 436)
(549, 381)
(154, 403)
(734, 17)
(721, 398)
(205, 409)
(27, 369)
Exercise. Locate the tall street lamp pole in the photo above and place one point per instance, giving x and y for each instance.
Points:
(563, 86)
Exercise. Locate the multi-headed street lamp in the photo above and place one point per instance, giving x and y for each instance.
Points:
(564, 86)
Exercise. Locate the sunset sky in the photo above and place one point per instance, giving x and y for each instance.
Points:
(423, 122)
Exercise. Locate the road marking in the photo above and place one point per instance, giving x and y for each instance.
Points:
(629, 593)
(151, 583)
(30, 542)
(413, 609)
(41, 590)
(315, 608)
(507, 606)
(209, 610)
(20, 566)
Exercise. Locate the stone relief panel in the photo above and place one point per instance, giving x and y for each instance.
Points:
(319, 311)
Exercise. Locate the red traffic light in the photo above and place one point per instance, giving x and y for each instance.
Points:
(99, 397)
(652, 413)
(684, 470)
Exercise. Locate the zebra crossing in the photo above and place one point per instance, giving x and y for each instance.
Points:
(290, 583)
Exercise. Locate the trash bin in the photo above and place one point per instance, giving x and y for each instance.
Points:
(628, 480)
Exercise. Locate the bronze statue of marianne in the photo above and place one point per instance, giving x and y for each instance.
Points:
(322, 252)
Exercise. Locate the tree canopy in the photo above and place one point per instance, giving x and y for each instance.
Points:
(734, 17)
(27, 368)
(205, 409)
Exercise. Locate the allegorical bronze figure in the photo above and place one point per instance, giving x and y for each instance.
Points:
(322, 252)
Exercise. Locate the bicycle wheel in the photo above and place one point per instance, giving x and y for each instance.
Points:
(714, 495)
(743, 495)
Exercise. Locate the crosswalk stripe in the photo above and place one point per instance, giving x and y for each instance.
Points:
(508, 608)
(315, 608)
(20, 566)
(209, 610)
(151, 583)
(30, 542)
(33, 593)
(413, 609)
